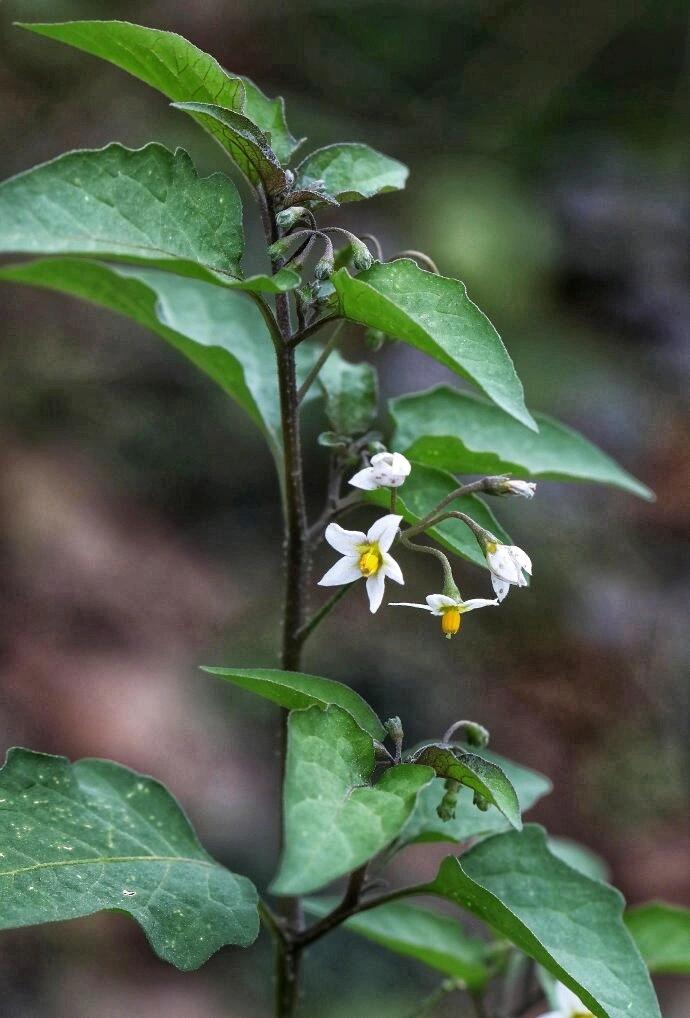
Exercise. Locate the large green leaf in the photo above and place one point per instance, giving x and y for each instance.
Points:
(481, 775)
(80, 838)
(470, 822)
(662, 934)
(296, 691)
(435, 315)
(436, 940)
(351, 171)
(220, 331)
(424, 489)
(579, 857)
(465, 434)
(246, 143)
(568, 923)
(351, 392)
(179, 70)
(334, 819)
(142, 205)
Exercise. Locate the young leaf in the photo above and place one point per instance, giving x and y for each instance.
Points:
(436, 940)
(351, 392)
(142, 205)
(350, 172)
(465, 434)
(480, 775)
(246, 143)
(334, 819)
(423, 489)
(435, 315)
(568, 923)
(662, 934)
(296, 691)
(80, 838)
(269, 115)
(220, 331)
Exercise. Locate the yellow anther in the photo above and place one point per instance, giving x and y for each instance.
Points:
(450, 622)
(490, 547)
(370, 560)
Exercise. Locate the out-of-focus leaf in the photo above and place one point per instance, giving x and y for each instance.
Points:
(142, 205)
(435, 315)
(436, 940)
(568, 923)
(297, 691)
(334, 819)
(91, 836)
(351, 171)
(579, 857)
(351, 392)
(465, 434)
(662, 934)
(424, 489)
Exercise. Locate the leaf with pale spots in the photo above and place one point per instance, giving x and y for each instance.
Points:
(91, 836)
(335, 820)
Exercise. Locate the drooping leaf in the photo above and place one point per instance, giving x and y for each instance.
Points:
(435, 315)
(469, 822)
(296, 691)
(424, 489)
(351, 392)
(568, 923)
(220, 331)
(246, 143)
(465, 434)
(579, 857)
(482, 776)
(662, 934)
(351, 171)
(436, 940)
(142, 205)
(81, 838)
(334, 819)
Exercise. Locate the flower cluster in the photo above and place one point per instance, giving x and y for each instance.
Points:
(367, 556)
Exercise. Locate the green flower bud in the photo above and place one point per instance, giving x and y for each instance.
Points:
(361, 255)
(447, 805)
(324, 268)
(288, 217)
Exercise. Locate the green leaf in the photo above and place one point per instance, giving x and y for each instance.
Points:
(436, 940)
(579, 857)
(469, 822)
(351, 392)
(424, 489)
(80, 838)
(142, 205)
(246, 143)
(464, 434)
(475, 772)
(280, 282)
(435, 315)
(334, 819)
(351, 172)
(269, 115)
(568, 923)
(662, 934)
(296, 691)
(220, 331)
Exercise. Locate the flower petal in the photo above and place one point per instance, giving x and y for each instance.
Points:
(400, 464)
(375, 587)
(384, 531)
(382, 458)
(409, 604)
(502, 563)
(437, 602)
(477, 602)
(521, 558)
(344, 571)
(391, 568)
(502, 587)
(344, 541)
(569, 1003)
(365, 480)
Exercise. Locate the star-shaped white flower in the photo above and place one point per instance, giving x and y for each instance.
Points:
(364, 556)
(508, 565)
(569, 1006)
(387, 470)
(451, 609)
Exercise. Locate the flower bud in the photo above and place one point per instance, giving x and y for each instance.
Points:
(288, 217)
(481, 802)
(447, 805)
(374, 339)
(279, 247)
(361, 255)
(523, 489)
(324, 268)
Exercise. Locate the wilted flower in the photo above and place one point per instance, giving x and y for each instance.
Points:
(387, 470)
(451, 609)
(508, 565)
(364, 556)
(569, 1006)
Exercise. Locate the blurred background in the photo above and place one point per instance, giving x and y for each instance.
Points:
(139, 518)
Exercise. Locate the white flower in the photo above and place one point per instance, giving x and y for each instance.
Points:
(450, 609)
(387, 470)
(508, 565)
(569, 1006)
(364, 555)
(525, 489)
